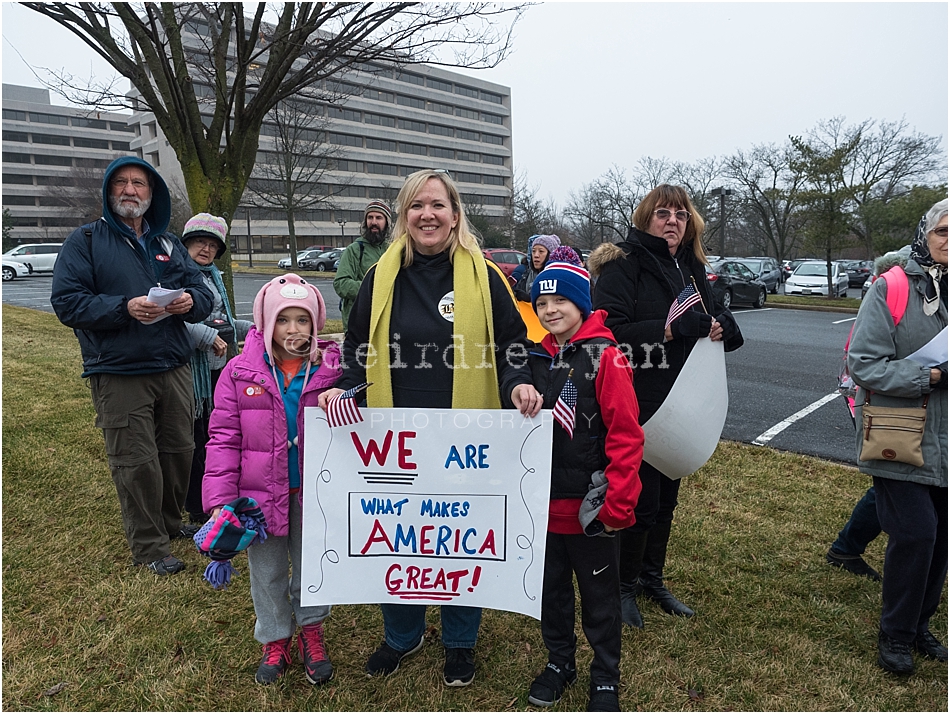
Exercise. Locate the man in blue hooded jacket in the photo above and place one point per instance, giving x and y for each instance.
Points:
(136, 353)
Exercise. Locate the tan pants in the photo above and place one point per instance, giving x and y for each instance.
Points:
(147, 422)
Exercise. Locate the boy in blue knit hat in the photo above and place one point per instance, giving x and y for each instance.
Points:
(597, 449)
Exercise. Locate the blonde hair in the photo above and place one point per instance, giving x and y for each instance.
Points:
(461, 236)
(676, 197)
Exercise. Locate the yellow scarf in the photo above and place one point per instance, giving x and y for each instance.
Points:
(475, 376)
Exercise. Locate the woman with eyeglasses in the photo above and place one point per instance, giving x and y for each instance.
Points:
(638, 282)
(911, 499)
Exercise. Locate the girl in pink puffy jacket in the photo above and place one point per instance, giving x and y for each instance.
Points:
(256, 450)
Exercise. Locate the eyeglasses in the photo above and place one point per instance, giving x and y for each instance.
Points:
(664, 214)
(941, 231)
(137, 184)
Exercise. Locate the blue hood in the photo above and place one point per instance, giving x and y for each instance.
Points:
(158, 214)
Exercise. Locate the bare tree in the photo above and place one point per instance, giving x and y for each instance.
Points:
(290, 179)
(528, 214)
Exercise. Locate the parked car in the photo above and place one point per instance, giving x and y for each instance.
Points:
(13, 269)
(866, 286)
(504, 258)
(39, 256)
(322, 262)
(788, 266)
(858, 271)
(302, 255)
(811, 278)
(732, 282)
(320, 248)
(766, 270)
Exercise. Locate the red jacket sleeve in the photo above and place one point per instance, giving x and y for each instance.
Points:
(624, 440)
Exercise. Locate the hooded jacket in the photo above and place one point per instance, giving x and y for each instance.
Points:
(102, 266)
(247, 452)
(357, 259)
(607, 434)
(638, 281)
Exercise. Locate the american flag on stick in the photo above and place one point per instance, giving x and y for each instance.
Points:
(565, 405)
(684, 301)
(342, 410)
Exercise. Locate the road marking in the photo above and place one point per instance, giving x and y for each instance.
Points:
(750, 309)
(850, 319)
(766, 436)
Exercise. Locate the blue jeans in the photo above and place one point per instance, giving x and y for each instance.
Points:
(405, 625)
(861, 528)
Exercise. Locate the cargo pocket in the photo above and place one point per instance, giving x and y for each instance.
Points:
(114, 427)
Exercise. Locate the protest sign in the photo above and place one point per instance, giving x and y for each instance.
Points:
(433, 506)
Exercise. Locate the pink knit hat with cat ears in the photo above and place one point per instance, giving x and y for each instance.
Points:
(288, 291)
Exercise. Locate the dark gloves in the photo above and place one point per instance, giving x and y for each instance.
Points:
(729, 327)
(692, 324)
(942, 384)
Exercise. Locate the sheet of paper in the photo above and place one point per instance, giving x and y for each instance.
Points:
(934, 352)
(162, 297)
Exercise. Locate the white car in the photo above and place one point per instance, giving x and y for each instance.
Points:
(39, 256)
(12, 269)
(811, 278)
(284, 263)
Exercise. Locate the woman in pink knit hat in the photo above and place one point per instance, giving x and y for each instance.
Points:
(256, 451)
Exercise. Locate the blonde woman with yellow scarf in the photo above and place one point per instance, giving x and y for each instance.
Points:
(420, 347)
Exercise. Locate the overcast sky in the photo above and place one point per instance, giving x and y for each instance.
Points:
(598, 84)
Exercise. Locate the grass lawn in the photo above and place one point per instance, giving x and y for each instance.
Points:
(777, 629)
(813, 301)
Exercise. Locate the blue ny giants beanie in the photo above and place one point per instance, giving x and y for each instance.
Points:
(564, 279)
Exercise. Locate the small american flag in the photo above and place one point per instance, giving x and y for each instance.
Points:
(565, 405)
(684, 301)
(343, 410)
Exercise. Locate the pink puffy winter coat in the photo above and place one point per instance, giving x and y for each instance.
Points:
(247, 451)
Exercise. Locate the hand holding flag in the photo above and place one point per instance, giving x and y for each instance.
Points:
(684, 301)
(343, 410)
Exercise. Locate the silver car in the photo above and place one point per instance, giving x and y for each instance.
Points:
(811, 278)
(39, 256)
(284, 263)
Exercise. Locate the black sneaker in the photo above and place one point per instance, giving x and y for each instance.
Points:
(547, 687)
(187, 530)
(894, 655)
(930, 647)
(275, 661)
(385, 660)
(459, 669)
(854, 564)
(603, 698)
(169, 565)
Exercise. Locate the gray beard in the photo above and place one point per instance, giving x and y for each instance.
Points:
(126, 211)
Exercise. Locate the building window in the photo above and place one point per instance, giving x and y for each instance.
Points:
(351, 191)
(407, 148)
(346, 165)
(467, 178)
(14, 115)
(53, 201)
(464, 134)
(412, 125)
(16, 221)
(494, 180)
(472, 199)
(441, 153)
(493, 118)
(345, 139)
(379, 96)
(21, 179)
(51, 139)
(492, 139)
(119, 146)
(441, 130)
(412, 78)
(154, 160)
(413, 102)
(497, 160)
(494, 98)
(438, 84)
(408, 170)
(466, 91)
(11, 158)
(19, 201)
(441, 108)
(49, 119)
(385, 169)
(89, 123)
(469, 156)
(52, 160)
(117, 126)
(59, 222)
(21, 136)
(466, 113)
(381, 144)
(347, 114)
(379, 120)
(91, 163)
(93, 143)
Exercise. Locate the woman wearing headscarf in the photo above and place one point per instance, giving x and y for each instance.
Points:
(911, 500)
(205, 238)
(639, 280)
(406, 315)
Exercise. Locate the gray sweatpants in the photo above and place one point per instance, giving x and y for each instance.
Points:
(276, 596)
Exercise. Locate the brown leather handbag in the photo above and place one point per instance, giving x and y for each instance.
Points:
(893, 433)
